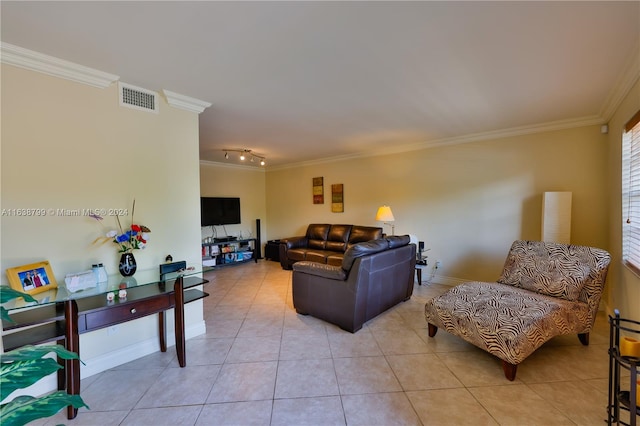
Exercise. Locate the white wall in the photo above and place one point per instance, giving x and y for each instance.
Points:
(468, 202)
(247, 183)
(70, 146)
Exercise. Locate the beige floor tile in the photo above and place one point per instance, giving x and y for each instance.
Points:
(344, 344)
(445, 342)
(271, 295)
(400, 341)
(542, 366)
(306, 378)
(415, 319)
(325, 411)
(424, 371)
(518, 405)
(586, 362)
(120, 397)
(168, 416)
(152, 361)
(390, 320)
(303, 346)
(449, 407)
(261, 327)
(365, 375)
(295, 323)
(476, 368)
(217, 328)
(244, 382)
(180, 386)
(601, 385)
(250, 349)
(246, 413)
(379, 409)
(86, 418)
(205, 351)
(576, 400)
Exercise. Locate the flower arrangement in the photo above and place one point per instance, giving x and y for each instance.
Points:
(134, 237)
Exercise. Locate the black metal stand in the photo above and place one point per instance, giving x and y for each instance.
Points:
(622, 400)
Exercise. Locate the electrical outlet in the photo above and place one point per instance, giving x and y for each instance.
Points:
(438, 264)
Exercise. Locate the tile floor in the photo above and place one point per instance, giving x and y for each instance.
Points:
(262, 364)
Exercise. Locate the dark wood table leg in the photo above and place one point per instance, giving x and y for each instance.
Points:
(162, 331)
(72, 366)
(419, 273)
(178, 288)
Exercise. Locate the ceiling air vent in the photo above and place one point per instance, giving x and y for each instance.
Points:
(138, 98)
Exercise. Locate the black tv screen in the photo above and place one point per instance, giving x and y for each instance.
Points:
(219, 211)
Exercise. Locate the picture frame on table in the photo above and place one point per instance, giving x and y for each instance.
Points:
(33, 278)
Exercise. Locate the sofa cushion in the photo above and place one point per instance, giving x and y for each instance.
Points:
(338, 237)
(362, 249)
(361, 234)
(321, 270)
(551, 269)
(319, 256)
(297, 254)
(398, 240)
(335, 259)
(317, 235)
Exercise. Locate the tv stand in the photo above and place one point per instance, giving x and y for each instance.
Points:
(224, 239)
(229, 252)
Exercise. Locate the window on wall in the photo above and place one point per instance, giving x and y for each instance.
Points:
(631, 193)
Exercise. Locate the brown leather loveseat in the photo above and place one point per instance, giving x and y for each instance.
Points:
(324, 243)
(373, 277)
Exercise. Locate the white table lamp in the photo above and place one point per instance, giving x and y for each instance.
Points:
(385, 215)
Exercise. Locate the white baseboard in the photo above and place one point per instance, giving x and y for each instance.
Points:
(130, 353)
(449, 281)
(112, 359)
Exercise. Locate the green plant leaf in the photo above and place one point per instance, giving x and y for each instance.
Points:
(7, 294)
(25, 409)
(4, 314)
(30, 352)
(21, 374)
(23, 367)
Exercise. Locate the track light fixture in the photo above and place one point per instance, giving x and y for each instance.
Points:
(244, 153)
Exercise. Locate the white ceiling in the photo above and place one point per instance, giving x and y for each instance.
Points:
(304, 81)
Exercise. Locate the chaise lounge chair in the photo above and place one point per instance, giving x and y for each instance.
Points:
(545, 290)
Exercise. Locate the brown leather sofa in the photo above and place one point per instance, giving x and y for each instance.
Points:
(324, 243)
(373, 277)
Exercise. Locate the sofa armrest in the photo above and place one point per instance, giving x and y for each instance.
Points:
(320, 270)
(294, 242)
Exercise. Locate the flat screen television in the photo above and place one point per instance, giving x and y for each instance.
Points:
(219, 211)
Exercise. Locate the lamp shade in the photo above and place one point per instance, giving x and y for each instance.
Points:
(385, 214)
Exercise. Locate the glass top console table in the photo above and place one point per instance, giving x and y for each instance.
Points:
(61, 315)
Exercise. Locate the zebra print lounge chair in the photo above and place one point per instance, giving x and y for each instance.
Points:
(545, 290)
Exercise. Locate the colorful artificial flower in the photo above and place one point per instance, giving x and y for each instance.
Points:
(133, 238)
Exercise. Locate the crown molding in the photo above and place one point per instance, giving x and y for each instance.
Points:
(34, 61)
(434, 143)
(623, 86)
(186, 103)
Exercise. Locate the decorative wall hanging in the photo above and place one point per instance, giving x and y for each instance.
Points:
(318, 190)
(337, 198)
